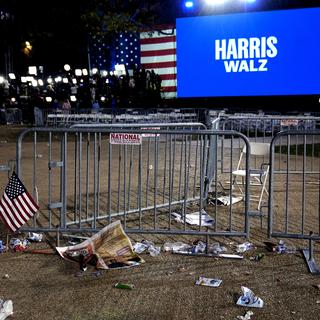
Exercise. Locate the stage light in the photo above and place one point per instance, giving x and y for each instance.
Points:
(65, 80)
(49, 80)
(12, 76)
(1, 79)
(104, 73)
(103, 99)
(32, 70)
(78, 72)
(66, 67)
(215, 2)
(188, 4)
(34, 83)
(58, 79)
(94, 71)
(13, 99)
(85, 72)
(40, 82)
(23, 79)
(73, 98)
(48, 99)
(74, 81)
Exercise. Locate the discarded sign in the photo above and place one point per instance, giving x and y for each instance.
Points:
(209, 282)
(194, 219)
(248, 299)
(125, 138)
(225, 200)
(108, 248)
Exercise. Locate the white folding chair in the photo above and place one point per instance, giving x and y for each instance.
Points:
(259, 171)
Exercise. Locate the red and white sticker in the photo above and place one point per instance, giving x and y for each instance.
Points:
(125, 138)
(150, 135)
(289, 122)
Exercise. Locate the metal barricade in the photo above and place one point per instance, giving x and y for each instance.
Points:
(294, 189)
(156, 182)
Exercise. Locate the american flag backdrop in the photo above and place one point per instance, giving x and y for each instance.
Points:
(158, 53)
(16, 204)
(150, 50)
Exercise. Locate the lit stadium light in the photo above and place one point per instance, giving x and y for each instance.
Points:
(104, 73)
(188, 4)
(111, 73)
(73, 98)
(103, 99)
(215, 2)
(78, 72)
(58, 79)
(40, 82)
(74, 81)
(81, 80)
(12, 76)
(94, 71)
(32, 70)
(65, 80)
(34, 83)
(107, 80)
(13, 99)
(85, 72)
(49, 80)
(1, 79)
(48, 99)
(66, 67)
(23, 79)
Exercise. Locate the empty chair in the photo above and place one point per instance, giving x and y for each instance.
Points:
(259, 171)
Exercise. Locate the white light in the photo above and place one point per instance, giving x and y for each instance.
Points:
(73, 98)
(13, 99)
(107, 81)
(215, 2)
(23, 79)
(49, 80)
(1, 79)
(81, 80)
(29, 78)
(188, 4)
(65, 80)
(111, 73)
(78, 72)
(103, 99)
(48, 99)
(32, 70)
(66, 67)
(58, 79)
(94, 71)
(12, 76)
(74, 81)
(40, 82)
(34, 83)
(104, 73)
(85, 72)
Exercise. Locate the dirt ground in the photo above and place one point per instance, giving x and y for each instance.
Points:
(44, 286)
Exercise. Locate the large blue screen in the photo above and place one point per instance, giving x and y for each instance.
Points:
(249, 54)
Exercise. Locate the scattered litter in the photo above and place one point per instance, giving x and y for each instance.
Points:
(283, 248)
(247, 316)
(248, 299)
(3, 248)
(257, 257)
(151, 247)
(35, 237)
(244, 247)
(108, 248)
(229, 256)
(19, 245)
(209, 282)
(176, 246)
(182, 269)
(225, 200)
(6, 309)
(5, 276)
(194, 219)
(139, 247)
(200, 247)
(120, 285)
(216, 248)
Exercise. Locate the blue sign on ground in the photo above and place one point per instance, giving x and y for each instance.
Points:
(249, 54)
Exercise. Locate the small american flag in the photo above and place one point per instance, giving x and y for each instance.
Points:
(16, 204)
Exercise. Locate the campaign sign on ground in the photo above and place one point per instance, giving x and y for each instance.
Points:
(125, 138)
(249, 54)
